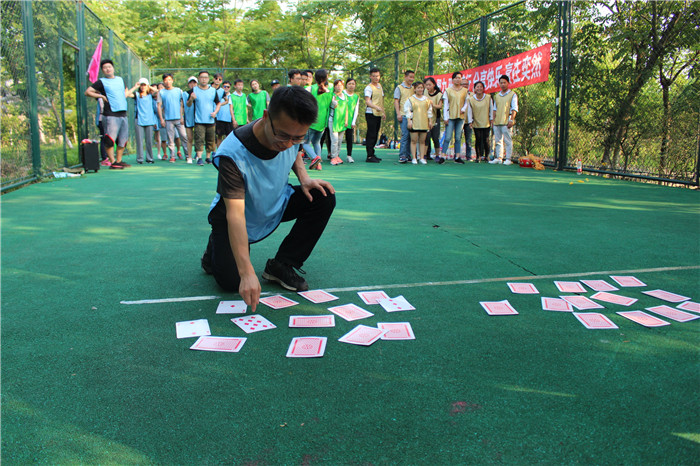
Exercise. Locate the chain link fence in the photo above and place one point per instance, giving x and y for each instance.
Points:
(45, 51)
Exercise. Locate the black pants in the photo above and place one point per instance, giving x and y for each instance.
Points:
(311, 220)
(467, 140)
(327, 138)
(482, 142)
(373, 125)
(349, 138)
(434, 137)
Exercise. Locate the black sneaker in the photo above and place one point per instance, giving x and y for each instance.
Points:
(373, 160)
(439, 160)
(285, 275)
(459, 160)
(207, 160)
(403, 160)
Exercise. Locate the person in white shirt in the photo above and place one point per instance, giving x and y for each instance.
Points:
(478, 109)
(505, 108)
(418, 111)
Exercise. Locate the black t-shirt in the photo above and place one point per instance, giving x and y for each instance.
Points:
(107, 111)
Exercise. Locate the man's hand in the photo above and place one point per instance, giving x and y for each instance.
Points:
(162, 123)
(324, 186)
(249, 289)
(400, 118)
(510, 124)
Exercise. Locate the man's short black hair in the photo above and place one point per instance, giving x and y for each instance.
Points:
(321, 76)
(407, 72)
(296, 102)
(226, 82)
(504, 76)
(454, 75)
(293, 72)
(237, 81)
(105, 61)
(374, 70)
(309, 73)
(202, 71)
(165, 75)
(218, 75)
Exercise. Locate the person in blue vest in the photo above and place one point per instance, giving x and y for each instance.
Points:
(189, 115)
(171, 114)
(145, 120)
(113, 92)
(204, 98)
(254, 196)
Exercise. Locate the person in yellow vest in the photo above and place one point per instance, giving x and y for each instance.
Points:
(353, 107)
(432, 91)
(478, 108)
(453, 99)
(374, 99)
(401, 94)
(505, 108)
(418, 110)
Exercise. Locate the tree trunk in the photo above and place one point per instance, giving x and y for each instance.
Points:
(665, 126)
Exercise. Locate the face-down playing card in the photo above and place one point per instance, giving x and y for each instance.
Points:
(498, 308)
(307, 347)
(312, 321)
(277, 302)
(594, 320)
(397, 331)
(223, 344)
(350, 312)
(318, 296)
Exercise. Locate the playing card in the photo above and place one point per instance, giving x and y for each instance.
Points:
(570, 287)
(644, 319)
(556, 304)
(523, 288)
(667, 296)
(397, 331)
(277, 302)
(599, 285)
(613, 298)
(671, 313)
(192, 328)
(689, 306)
(253, 323)
(362, 335)
(307, 347)
(582, 303)
(318, 296)
(372, 297)
(225, 344)
(312, 321)
(398, 303)
(594, 320)
(350, 312)
(232, 307)
(627, 280)
(498, 308)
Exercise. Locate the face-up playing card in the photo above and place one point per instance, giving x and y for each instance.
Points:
(689, 306)
(277, 302)
(192, 328)
(594, 320)
(582, 303)
(498, 308)
(372, 297)
(667, 296)
(556, 304)
(599, 285)
(350, 312)
(307, 347)
(232, 307)
(627, 280)
(224, 344)
(318, 296)
(398, 303)
(674, 314)
(613, 298)
(523, 288)
(253, 323)
(570, 287)
(644, 319)
(397, 331)
(312, 321)
(362, 335)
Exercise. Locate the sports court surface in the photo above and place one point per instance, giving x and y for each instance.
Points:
(88, 379)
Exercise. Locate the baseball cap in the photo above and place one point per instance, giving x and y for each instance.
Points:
(143, 81)
(191, 78)
(274, 81)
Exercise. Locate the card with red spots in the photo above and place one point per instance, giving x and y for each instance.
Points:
(253, 323)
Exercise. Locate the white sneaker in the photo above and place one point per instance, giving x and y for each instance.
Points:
(350, 159)
(414, 162)
(507, 162)
(189, 160)
(423, 162)
(496, 161)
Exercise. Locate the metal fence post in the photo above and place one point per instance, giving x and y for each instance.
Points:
(396, 83)
(431, 55)
(30, 67)
(563, 86)
(483, 43)
(81, 73)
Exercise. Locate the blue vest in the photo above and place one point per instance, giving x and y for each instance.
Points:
(267, 188)
(171, 103)
(189, 111)
(204, 105)
(144, 110)
(225, 112)
(155, 114)
(114, 89)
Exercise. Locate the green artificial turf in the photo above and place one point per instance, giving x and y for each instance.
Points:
(86, 379)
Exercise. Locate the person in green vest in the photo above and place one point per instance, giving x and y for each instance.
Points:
(323, 97)
(258, 100)
(338, 121)
(353, 107)
(239, 102)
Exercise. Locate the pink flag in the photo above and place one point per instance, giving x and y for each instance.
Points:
(94, 67)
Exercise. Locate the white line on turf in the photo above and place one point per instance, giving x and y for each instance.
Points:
(447, 283)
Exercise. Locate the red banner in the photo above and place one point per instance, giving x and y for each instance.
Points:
(522, 69)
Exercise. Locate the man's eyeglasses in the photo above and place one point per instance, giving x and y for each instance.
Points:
(285, 138)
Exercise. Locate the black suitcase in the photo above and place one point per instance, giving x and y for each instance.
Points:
(90, 156)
